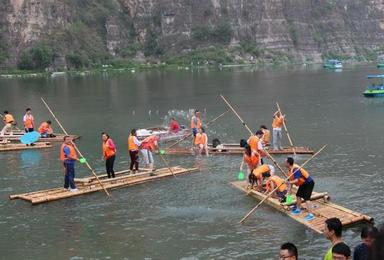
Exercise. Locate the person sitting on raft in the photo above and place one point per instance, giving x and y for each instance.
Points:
(252, 159)
(46, 130)
(174, 126)
(271, 184)
(261, 173)
(201, 142)
(301, 178)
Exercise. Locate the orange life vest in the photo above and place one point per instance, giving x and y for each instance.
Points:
(204, 139)
(259, 171)
(253, 142)
(252, 160)
(131, 143)
(277, 122)
(277, 181)
(8, 119)
(304, 174)
(150, 142)
(195, 122)
(107, 151)
(198, 139)
(72, 152)
(45, 128)
(28, 123)
(266, 136)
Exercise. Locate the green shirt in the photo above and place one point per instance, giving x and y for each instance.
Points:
(328, 255)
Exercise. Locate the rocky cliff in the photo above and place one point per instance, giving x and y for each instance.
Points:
(77, 33)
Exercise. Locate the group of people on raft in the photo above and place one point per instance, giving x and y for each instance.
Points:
(45, 128)
(262, 176)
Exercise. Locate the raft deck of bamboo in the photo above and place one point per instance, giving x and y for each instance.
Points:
(58, 138)
(323, 209)
(88, 185)
(236, 149)
(18, 146)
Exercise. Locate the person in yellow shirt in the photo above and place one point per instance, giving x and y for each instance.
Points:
(8, 121)
(333, 229)
(278, 121)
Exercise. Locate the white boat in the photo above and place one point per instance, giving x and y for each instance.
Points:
(162, 132)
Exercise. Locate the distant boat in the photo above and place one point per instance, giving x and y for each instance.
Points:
(333, 64)
(375, 90)
(380, 61)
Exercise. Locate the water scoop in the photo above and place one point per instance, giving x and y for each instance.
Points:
(241, 176)
(82, 160)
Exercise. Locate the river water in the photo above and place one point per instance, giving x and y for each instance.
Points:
(193, 216)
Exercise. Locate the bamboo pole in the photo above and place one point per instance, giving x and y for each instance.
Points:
(286, 129)
(74, 145)
(188, 135)
(250, 131)
(270, 194)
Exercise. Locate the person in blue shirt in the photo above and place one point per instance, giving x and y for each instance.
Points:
(363, 250)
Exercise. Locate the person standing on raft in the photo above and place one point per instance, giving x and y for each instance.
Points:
(195, 123)
(148, 145)
(9, 121)
(301, 178)
(278, 121)
(266, 135)
(252, 159)
(256, 143)
(109, 154)
(133, 148)
(68, 156)
(28, 121)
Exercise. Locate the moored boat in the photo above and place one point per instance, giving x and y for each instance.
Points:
(380, 61)
(333, 64)
(375, 89)
(162, 132)
(19, 147)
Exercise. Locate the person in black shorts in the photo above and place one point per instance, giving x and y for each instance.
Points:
(301, 178)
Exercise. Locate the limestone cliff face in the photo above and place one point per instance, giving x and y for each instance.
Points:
(305, 29)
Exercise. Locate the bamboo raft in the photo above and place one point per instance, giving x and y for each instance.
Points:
(58, 138)
(323, 209)
(18, 146)
(236, 149)
(88, 185)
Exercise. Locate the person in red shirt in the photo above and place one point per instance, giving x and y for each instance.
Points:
(174, 126)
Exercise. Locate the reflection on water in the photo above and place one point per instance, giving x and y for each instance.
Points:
(195, 215)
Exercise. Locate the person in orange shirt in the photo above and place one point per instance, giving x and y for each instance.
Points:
(273, 182)
(68, 156)
(133, 147)
(28, 121)
(9, 121)
(266, 135)
(109, 154)
(148, 145)
(262, 172)
(278, 121)
(252, 159)
(46, 130)
(201, 142)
